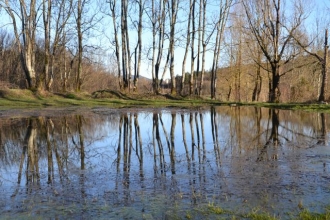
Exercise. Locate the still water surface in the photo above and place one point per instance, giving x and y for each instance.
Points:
(162, 163)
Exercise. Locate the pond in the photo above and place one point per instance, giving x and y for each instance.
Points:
(148, 163)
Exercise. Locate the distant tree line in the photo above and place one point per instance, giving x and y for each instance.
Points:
(255, 50)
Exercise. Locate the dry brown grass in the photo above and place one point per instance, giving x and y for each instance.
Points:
(16, 93)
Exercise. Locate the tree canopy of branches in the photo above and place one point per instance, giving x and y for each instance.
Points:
(274, 30)
(62, 44)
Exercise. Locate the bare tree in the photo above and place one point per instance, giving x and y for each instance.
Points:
(258, 79)
(79, 12)
(192, 48)
(186, 47)
(61, 13)
(114, 16)
(26, 14)
(86, 26)
(204, 43)
(224, 8)
(173, 8)
(200, 17)
(323, 60)
(46, 15)
(158, 18)
(138, 50)
(123, 18)
(274, 30)
(126, 58)
(60, 17)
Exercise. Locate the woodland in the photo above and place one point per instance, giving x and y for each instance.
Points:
(227, 50)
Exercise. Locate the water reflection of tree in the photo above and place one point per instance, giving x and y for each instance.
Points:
(128, 137)
(214, 128)
(138, 143)
(273, 137)
(308, 132)
(30, 148)
(63, 143)
(81, 141)
(81, 149)
(184, 138)
(172, 146)
(198, 169)
(158, 142)
(322, 131)
(125, 135)
(49, 127)
(53, 140)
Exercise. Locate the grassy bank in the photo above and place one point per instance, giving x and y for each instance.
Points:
(17, 98)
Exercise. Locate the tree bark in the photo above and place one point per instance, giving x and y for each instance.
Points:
(137, 71)
(46, 15)
(112, 5)
(204, 48)
(80, 46)
(199, 47)
(220, 27)
(161, 37)
(323, 89)
(186, 50)
(192, 50)
(28, 19)
(173, 16)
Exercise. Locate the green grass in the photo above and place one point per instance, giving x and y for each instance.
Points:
(307, 215)
(212, 211)
(18, 98)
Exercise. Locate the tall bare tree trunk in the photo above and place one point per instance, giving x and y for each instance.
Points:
(173, 16)
(129, 62)
(199, 47)
(80, 46)
(204, 48)
(192, 50)
(258, 80)
(161, 37)
(65, 75)
(275, 95)
(323, 89)
(46, 15)
(124, 48)
(29, 25)
(154, 32)
(28, 18)
(139, 44)
(224, 8)
(112, 5)
(214, 66)
(239, 70)
(186, 49)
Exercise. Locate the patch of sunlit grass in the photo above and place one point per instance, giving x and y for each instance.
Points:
(260, 216)
(215, 209)
(307, 215)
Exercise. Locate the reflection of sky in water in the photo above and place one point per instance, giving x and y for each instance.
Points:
(105, 150)
(225, 171)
